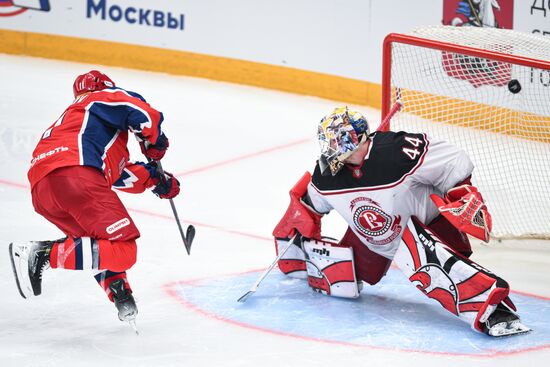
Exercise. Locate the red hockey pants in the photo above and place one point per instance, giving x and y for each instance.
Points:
(101, 233)
(369, 266)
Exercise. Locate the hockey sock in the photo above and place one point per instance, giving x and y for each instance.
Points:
(87, 253)
(75, 254)
(106, 277)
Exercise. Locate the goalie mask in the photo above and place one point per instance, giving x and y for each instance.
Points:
(339, 134)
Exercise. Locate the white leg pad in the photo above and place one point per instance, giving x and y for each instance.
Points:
(330, 269)
(461, 286)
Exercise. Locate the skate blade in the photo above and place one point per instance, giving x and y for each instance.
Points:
(504, 329)
(133, 325)
(20, 275)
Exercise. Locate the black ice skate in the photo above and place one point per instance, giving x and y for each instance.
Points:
(29, 260)
(504, 322)
(124, 301)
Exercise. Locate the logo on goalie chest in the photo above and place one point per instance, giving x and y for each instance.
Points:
(372, 222)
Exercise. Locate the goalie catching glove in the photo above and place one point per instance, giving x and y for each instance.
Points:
(464, 207)
(299, 217)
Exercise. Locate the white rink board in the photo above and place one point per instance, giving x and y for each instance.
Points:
(326, 36)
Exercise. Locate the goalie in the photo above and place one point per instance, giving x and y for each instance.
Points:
(406, 199)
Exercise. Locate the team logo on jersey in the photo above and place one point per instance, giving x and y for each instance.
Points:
(10, 8)
(371, 221)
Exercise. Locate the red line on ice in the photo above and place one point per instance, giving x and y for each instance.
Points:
(199, 224)
(240, 158)
(194, 171)
(14, 184)
(169, 288)
(164, 216)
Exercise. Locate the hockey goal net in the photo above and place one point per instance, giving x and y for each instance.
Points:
(487, 91)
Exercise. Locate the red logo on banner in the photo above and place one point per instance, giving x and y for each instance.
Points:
(479, 13)
(476, 70)
(10, 8)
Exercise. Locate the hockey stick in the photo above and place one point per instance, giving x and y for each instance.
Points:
(386, 121)
(294, 241)
(190, 233)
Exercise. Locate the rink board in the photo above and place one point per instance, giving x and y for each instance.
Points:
(391, 315)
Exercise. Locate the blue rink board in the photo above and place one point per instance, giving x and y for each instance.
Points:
(392, 314)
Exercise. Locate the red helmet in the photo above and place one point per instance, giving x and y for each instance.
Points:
(91, 81)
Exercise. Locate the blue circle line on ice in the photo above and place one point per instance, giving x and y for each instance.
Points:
(391, 315)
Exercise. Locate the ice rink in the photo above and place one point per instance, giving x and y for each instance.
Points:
(237, 151)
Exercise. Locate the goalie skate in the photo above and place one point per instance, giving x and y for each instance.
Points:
(504, 322)
(28, 261)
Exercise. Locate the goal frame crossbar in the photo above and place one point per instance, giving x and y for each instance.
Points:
(392, 38)
(392, 94)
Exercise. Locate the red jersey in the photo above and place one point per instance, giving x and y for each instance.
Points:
(93, 131)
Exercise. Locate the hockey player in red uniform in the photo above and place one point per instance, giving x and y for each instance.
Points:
(406, 199)
(77, 161)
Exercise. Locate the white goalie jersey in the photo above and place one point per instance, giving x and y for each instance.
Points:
(395, 181)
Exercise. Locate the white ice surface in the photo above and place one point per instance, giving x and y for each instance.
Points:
(234, 206)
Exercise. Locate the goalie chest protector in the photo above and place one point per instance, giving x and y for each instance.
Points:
(398, 174)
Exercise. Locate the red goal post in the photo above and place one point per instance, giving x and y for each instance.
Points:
(487, 91)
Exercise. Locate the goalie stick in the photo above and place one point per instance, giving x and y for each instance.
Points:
(386, 121)
(294, 241)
